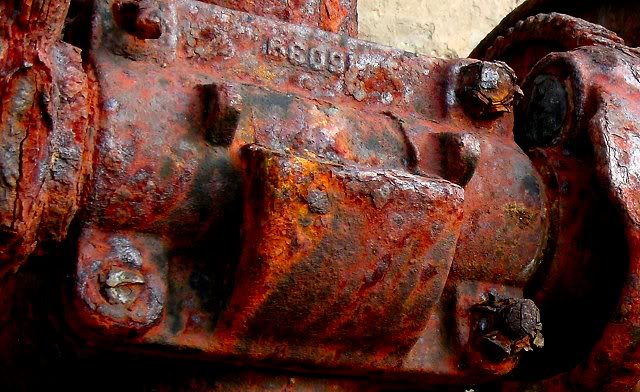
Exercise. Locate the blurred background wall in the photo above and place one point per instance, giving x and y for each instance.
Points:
(442, 28)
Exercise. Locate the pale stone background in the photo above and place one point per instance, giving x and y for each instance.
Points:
(442, 28)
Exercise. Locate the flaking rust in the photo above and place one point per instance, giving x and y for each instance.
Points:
(247, 186)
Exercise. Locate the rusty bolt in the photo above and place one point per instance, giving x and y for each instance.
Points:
(122, 286)
(521, 318)
(140, 18)
(508, 326)
(488, 88)
(132, 299)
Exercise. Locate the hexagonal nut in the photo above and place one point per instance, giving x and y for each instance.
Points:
(488, 88)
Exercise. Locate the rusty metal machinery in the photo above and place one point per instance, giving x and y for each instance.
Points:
(241, 195)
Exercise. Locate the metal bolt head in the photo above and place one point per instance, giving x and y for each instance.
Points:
(488, 88)
(513, 324)
(121, 286)
(120, 281)
(521, 318)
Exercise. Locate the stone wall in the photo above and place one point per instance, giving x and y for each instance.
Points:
(443, 28)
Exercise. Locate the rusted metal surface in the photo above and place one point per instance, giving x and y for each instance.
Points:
(618, 16)
(529, 40)
(578, 124)
(488, 88)
(319, 97)
(46, 137)
(336, 16)
(607, 120)
(313, 222)
(208, 182)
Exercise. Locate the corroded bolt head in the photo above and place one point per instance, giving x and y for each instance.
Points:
(521, 318)
(122, 286)
(508, 326)
(120, 281)
(488, 88)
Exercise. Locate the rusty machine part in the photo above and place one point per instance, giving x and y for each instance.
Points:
(241, 195)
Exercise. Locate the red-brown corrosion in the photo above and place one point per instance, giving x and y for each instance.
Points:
(611, 76)
(245, 183)
(355, 220)
(336, 16)
(46, 133)
(308, 226)
(351, 230)
(578, 123)
(617, 16)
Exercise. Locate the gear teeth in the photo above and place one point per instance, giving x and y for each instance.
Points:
(568, 31)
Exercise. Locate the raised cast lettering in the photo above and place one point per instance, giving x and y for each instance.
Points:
(313, 57)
